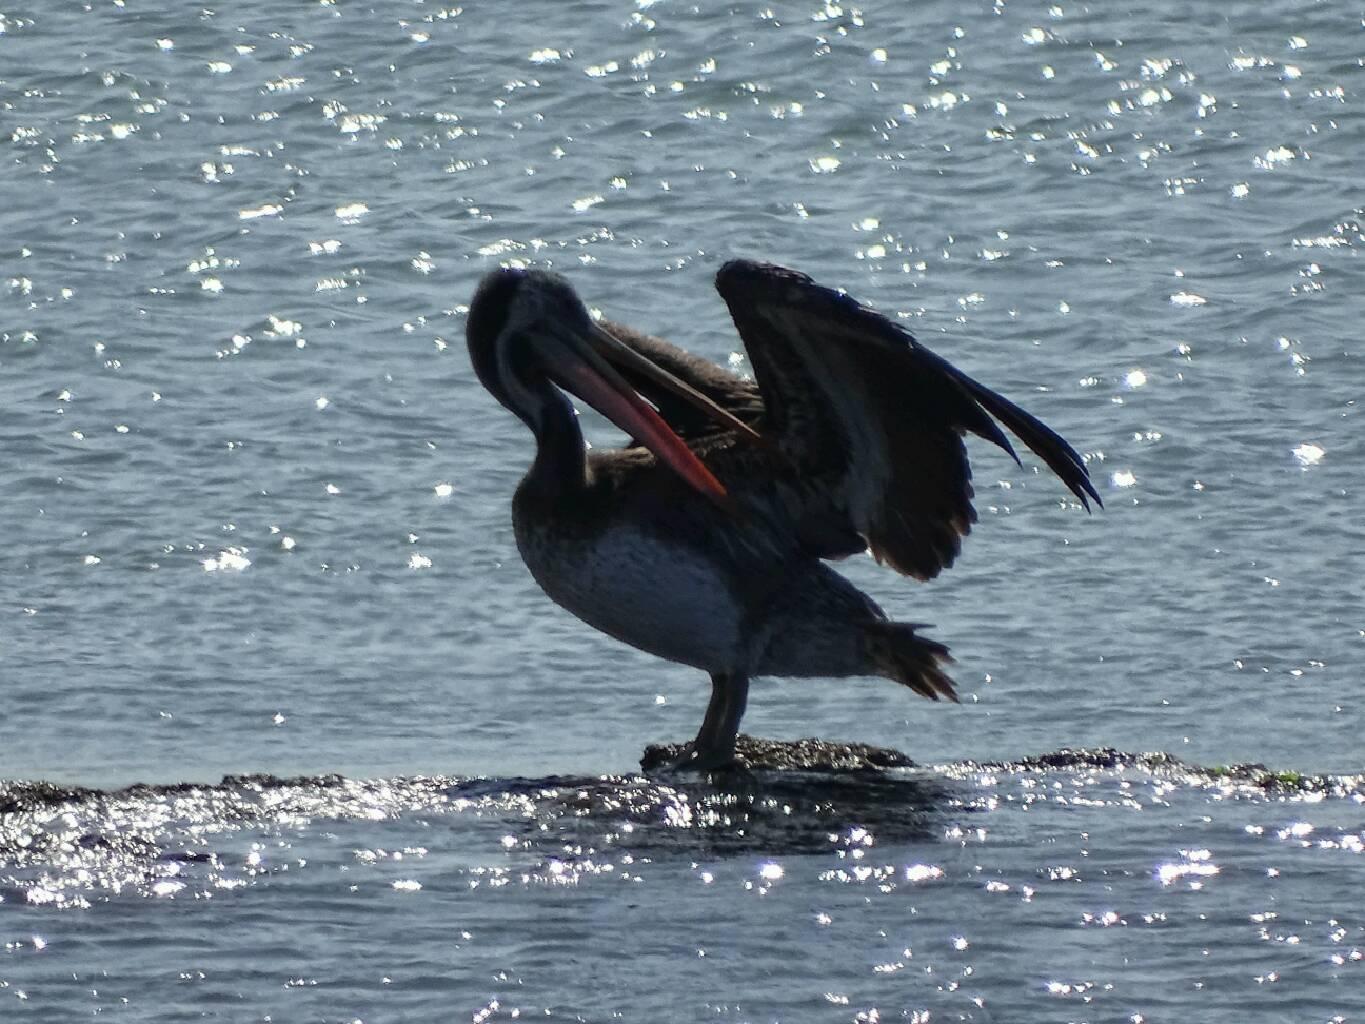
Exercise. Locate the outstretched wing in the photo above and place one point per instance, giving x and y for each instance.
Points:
(870, 420)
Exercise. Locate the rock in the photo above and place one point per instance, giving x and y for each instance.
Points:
(805, 755)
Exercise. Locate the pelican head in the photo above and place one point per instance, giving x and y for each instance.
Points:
(529, 328)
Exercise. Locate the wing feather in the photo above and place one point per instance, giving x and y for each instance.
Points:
(871, 419)
(730, 391)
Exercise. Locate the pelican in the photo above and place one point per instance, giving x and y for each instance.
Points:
(704, 540)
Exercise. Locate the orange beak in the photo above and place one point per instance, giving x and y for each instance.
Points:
(583, 365)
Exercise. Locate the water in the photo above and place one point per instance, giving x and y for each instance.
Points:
(256, 512)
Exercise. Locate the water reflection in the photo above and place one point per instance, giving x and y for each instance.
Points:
(63, 847)
(762, 812)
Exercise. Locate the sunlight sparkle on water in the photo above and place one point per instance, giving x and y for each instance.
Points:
(1308, 454)
(923, 872)
(282, 327)
(230, 559)
(1188, 299)
(1197, 864)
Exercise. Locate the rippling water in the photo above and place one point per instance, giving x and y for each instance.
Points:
(1081, 886)
(255, 510)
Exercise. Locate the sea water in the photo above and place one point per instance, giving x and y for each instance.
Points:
(258, 554)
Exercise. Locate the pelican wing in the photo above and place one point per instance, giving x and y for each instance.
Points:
(871, 421)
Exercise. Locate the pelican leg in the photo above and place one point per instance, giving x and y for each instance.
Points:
(714, 746)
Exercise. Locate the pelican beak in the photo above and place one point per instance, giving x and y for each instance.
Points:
(576, 362)
(622, 355)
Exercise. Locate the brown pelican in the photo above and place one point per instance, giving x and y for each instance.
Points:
(703, 540)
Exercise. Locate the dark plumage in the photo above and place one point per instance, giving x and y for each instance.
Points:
(703, 540)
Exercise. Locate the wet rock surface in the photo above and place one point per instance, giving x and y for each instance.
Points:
(806, 755)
